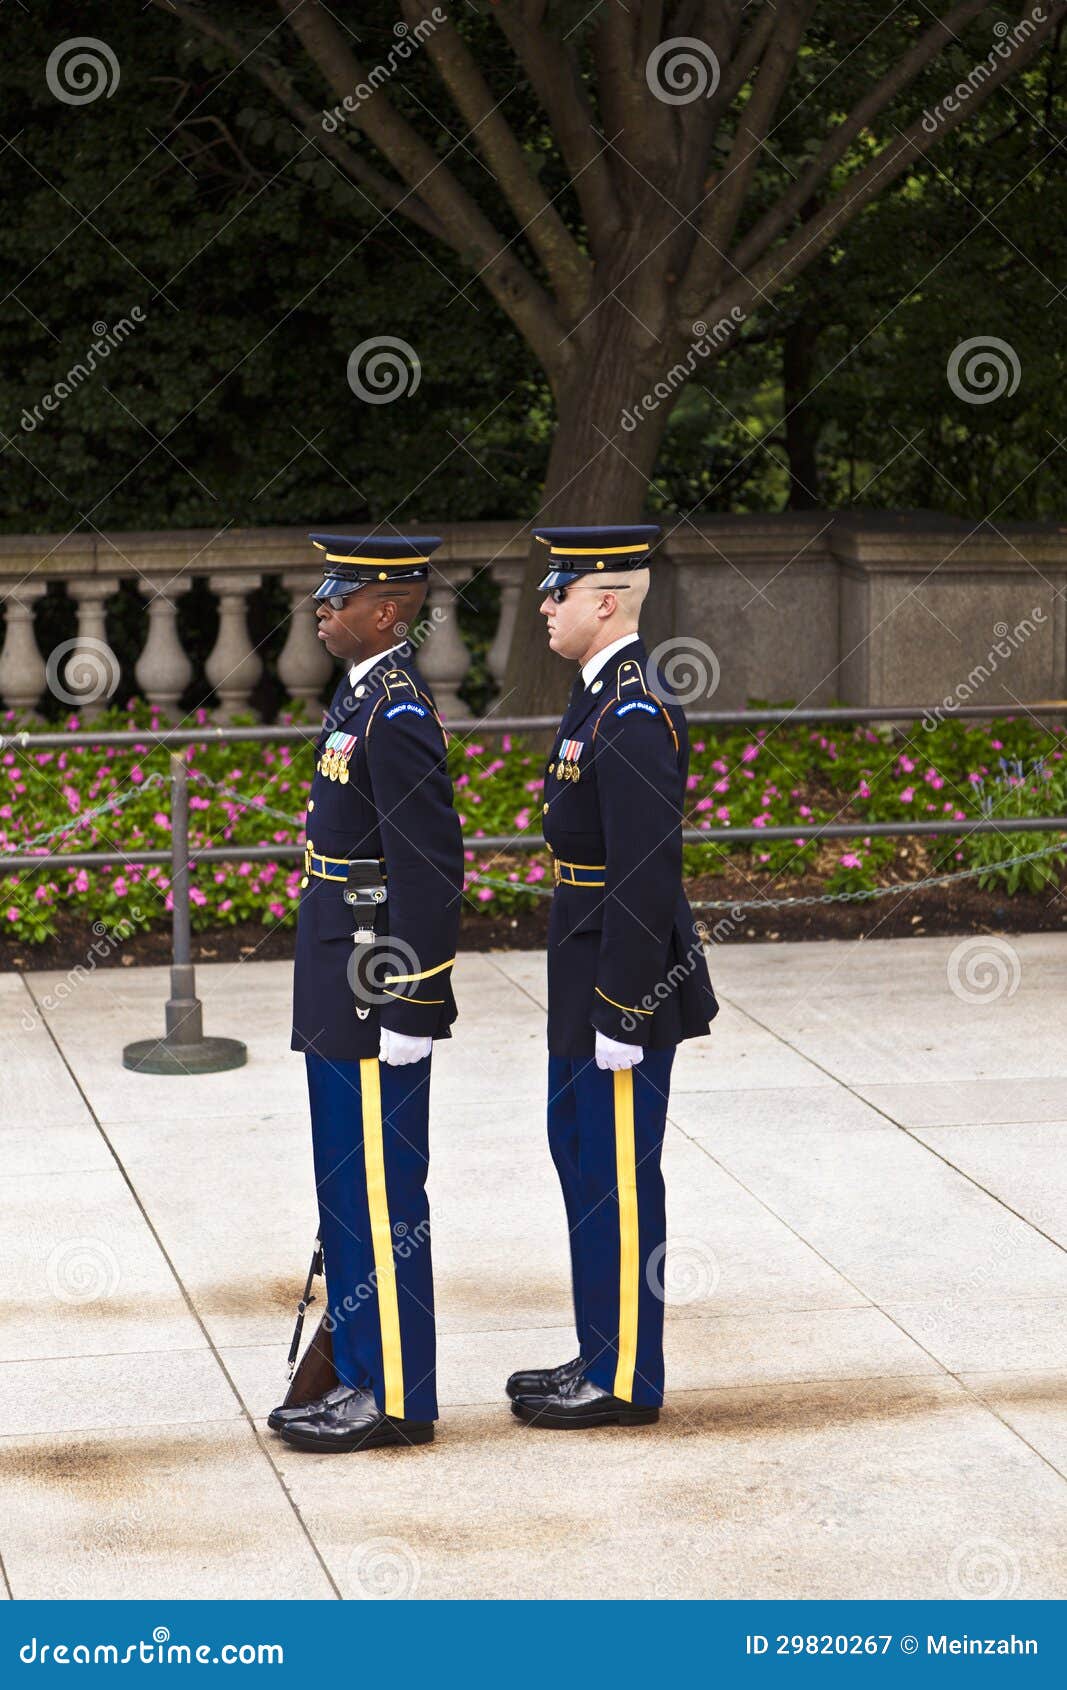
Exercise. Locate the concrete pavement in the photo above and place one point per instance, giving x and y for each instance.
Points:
(867, 1292)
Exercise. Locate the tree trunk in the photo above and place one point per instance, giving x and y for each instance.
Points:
(801, 433)
(598, 473)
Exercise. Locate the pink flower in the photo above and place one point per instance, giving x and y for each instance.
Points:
(850, 860)
(485, 893)
(277, 910)
(137, 774)
(907, 795)
(505, 743)
(703, 804)
(160, 820)
(81, 881)
(535, 873)
(521, 819)
(722, 814)
(12, 914)
(749, 753)
(119, 886)
(227, 904)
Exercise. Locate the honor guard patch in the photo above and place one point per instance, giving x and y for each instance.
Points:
(405, 709)
(637, 704)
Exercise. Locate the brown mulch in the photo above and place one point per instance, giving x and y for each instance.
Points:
(958, 908)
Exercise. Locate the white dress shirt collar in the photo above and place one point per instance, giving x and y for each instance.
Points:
(359, 670)
(591, 670)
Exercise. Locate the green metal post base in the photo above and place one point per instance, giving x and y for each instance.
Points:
(205, 1056)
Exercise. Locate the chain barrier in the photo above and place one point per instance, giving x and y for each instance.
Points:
(813, 898)
(113, 804)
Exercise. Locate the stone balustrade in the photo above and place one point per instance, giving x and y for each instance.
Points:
(861, 607)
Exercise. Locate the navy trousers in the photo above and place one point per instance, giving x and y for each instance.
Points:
(605, 1132)
(369, 1132)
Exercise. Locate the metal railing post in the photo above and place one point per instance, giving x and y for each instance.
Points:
(183, 1049)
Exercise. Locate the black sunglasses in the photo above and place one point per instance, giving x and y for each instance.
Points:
(337, 601)
(558, 595)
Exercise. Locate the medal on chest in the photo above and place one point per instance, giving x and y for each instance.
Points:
(567, 761)
(335, 757)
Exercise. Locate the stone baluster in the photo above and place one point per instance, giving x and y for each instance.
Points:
(304, 662)
(509, 576)
(22, 671)
(163, 669)
(233, 667)
(89, 676)
(442, 656)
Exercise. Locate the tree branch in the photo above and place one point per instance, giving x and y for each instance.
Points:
(483, 248)
(552, 68)
(724, 203)
(377, 189)
(781, 265)
(759, 237)
(568, 268)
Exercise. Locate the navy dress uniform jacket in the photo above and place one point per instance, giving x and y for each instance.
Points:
(624, 957)
(390, 798)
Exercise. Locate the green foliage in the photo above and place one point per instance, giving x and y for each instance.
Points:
(259, 267)
(1017, 791)
(794, 776)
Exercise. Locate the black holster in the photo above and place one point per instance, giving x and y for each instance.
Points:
(365, 894)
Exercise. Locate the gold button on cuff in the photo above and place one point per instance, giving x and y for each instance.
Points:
(544, 809)
(311, 805)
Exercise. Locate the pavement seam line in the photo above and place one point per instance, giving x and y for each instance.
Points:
(264, 1451)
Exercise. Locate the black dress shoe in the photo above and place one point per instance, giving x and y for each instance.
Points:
(578, 1402)
(541, 1379)
(279, 1417)
(354, 1421)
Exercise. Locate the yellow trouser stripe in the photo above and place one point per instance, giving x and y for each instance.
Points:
(629, 1263)
(382, 1236)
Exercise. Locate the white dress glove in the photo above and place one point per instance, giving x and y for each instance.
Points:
(611, 1054)
(400, 1048)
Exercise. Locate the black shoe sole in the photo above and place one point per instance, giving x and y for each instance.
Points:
(380, 1437)
(575, 1422)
